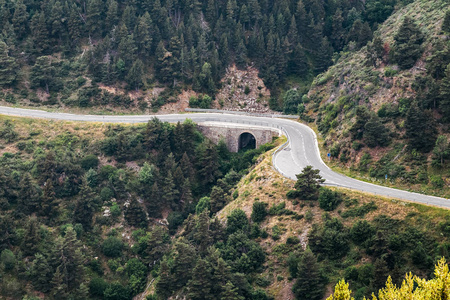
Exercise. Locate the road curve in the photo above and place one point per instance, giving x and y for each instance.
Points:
(301, 150)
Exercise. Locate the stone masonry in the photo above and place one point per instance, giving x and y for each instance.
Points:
(231, 133)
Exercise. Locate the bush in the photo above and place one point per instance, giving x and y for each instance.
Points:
(203, 101)
(89, 162)
(112, 247)
(8, 259)
(116, 291)
(97, 287)
(259, 212)
(361, 231)
(106, 194)
(328, 199)
(237, 220)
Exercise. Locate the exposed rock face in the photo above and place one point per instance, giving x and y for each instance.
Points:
(243, 90)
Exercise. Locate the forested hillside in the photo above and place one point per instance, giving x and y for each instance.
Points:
(383, 111)
(67, 53)
(98, 211)
(88, 210)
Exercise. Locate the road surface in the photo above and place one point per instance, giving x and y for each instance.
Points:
(301, 149)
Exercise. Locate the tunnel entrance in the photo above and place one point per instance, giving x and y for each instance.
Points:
(247, 141)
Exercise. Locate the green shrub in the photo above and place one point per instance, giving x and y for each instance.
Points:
(97, 286)
(259, 211)
(112, 247)
(328, 199)
(8, 259)
(247, 90)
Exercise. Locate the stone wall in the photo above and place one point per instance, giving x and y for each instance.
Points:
(230, 133)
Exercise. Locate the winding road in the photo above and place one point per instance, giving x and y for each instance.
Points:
(300, 150)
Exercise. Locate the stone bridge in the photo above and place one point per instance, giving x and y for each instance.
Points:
(237, 136)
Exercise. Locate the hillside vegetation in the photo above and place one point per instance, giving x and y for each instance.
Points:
(141, 54)
(383, 110)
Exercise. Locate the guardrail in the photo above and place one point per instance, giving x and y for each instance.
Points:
(223, 111)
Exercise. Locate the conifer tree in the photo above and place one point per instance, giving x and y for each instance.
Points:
(183, 262)
(32, 237)
(135, 215)
(85, 207)
(420, 129)
(75, 24)
(445, 94)
(309, 284)
(8, 67)
(199, 287)
(41, 273)
(29, 196)
(48, 202)
(218, 199)
(230, 292)
(308, 184)
(40, 33)
(20, 19)
(42, 73)
(94, 18)
(323, 56)
(134, 76)
(408, 41)
(59, 290)
(112, 15)
(446, 23)
(164, 285)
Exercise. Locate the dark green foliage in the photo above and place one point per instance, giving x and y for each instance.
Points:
(408, 41)
(309, 283)
(8, 260)
(307, 184)
(330, 239)
(97, 287)
(89, 162)
(361, 231)
(375, 133)
(237, 220)
(116, 291)
(328, 199)
(135, 214)
(420, 129)
(8, 71)
(291, 101)
(446, 22)
(112, 247)
(202, 101)
(259, 211)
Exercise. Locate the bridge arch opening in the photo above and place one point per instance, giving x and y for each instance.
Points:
(247, 141)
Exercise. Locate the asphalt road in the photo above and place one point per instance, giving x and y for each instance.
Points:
(301, 150)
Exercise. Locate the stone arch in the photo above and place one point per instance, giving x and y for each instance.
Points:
(247, 140)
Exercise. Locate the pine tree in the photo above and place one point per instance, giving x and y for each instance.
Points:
(375, 133)
(408, 41)
(202, 235)
(323, 56)
(75, 24)
(183, 262)
(48, 202)
(59, 290)
(40, 33)
(32, 237)
(29, 195)
(156, 248)
(42, 73)
(309, 284)
(169, 191)
(134, 76)
(446, 23)
(445, 94)
(199, 287)
(135, 215)
(338, 32)
(112, 15)
(8, 68)
(208, 163)
(230, 292)
(20, 19)
(41, 273)
(164, 285)
(144, 36)
(308, 183)
(85, 207)
(94, 18)
(420, 129)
